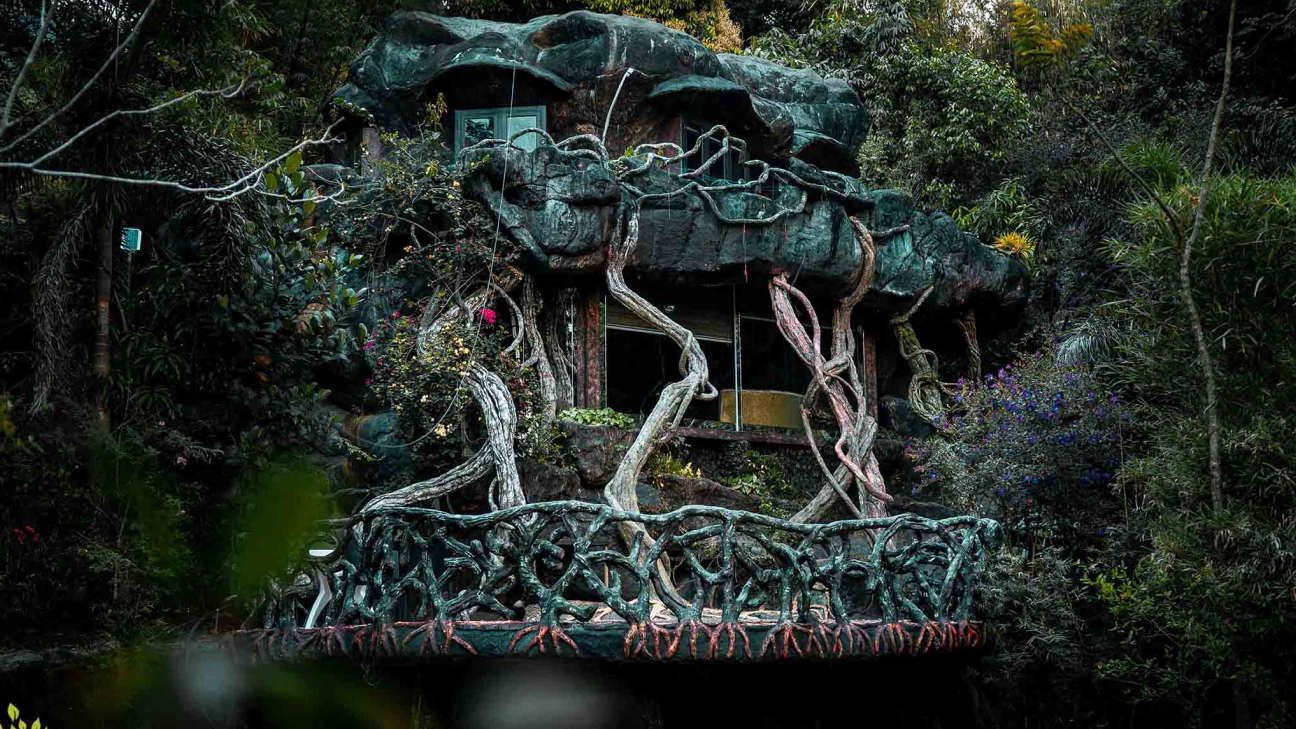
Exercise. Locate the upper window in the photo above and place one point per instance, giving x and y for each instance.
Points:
(726, 169)
(474, 125)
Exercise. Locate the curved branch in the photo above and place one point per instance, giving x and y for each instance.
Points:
(621, 491)
(837, 378)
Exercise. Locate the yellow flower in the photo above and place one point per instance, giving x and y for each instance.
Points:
(1015, 244)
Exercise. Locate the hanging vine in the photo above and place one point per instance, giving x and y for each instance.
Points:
(838, 379)
(835, 378)
(925, 387)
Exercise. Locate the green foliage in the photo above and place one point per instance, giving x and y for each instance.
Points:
(1009, 208)
(840, 39)
(762, 475)
(1243, 275)
(952, 119)
(599, 416)
(291, 310)
(664, 463)
(9, 439)
(1198, 607)
(942, 119)
(142, 552)
(1038, 604)
(641, 8)
(424, 385)
(16, 721)
(281, 505)
(1037, 44)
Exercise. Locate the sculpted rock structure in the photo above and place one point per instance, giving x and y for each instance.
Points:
(560, 208)
(736, 172)
(736, 201)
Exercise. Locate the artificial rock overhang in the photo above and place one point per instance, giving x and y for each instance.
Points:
(562, 211)
(576, 61)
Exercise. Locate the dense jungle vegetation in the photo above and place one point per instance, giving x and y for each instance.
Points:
(153, 411)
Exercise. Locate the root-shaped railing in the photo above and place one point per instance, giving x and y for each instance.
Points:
(555, 576)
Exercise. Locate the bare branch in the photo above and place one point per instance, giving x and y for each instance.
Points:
(46, 17)
(88, 84)
(227, 192)
(227, 92)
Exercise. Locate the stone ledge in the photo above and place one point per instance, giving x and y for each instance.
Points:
(747, 640)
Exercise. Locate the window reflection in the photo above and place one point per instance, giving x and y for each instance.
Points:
(640, 365)
(768, 361)
(477, 129)
(517, 124)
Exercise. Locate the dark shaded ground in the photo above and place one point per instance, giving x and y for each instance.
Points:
(204, 689)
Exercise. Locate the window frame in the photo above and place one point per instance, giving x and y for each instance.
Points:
(499, 117)
(733, 168)
(701, 126)
(735, 315)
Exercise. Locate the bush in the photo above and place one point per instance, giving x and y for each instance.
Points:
(1201, 606)
(1036, 445)
(599, 416)
(1042, 662)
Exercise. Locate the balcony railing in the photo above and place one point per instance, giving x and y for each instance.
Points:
(556, 578)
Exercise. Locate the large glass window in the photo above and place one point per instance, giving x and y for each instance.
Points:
(768, 361)
(475, 125)
(641, 361)
(640, 365)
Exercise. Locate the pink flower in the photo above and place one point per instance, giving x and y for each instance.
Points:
(489, 316)
(369, 345)
(181, 461)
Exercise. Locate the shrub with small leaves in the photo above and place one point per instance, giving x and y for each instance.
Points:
(599, 416)
(1036, 444)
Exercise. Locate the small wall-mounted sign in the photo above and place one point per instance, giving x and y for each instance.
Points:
(131, 239)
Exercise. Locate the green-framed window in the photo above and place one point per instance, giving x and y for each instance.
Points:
(474, 125)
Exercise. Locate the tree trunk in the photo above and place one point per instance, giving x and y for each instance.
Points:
(1194, 318)
(102, 358)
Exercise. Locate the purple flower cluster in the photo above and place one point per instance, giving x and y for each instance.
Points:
(1028, 433)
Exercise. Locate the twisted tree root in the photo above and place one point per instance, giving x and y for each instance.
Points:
(620, 491)
(925, 386)
(498, 415)
(837, 378)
